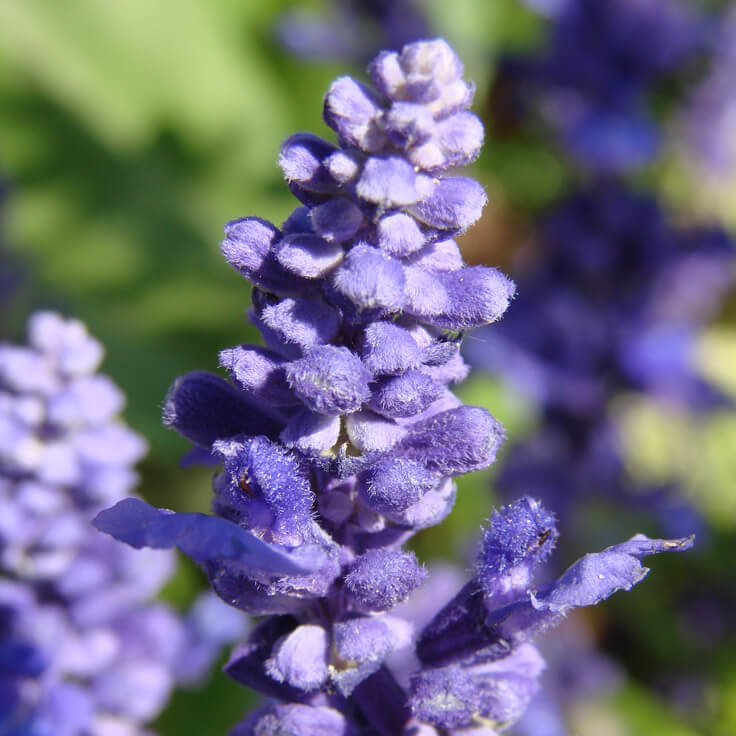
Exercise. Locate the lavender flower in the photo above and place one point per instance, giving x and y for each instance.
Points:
(82, 648)
(340, 438)
(594, 80)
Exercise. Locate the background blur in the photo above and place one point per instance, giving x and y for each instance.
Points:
(131, 132)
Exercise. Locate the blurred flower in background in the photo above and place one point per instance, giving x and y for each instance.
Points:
(84, 648)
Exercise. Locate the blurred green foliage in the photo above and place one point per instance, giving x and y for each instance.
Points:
(132, 131)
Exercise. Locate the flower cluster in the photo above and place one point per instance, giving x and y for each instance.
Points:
(593, 82)
(82, 650)
(340, 438)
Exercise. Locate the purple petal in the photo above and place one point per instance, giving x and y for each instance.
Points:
(455, 697)
(199, 536)
(365, 642)
(203, 408)
(310, 432)
(265, 486)
(294, 719)
(589, 581)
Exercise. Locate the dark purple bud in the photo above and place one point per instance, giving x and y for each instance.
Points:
(203, 408)
(294, 325)
(399, 235)
(369, 432)
(405, 395)
(306, 255)
(388, 349)
(248, 248)
(408, 124)
(456, 141)
(454, 204)
(442, 255)
(302, 161)
(381, 578)
(330, 380)
(260, 372)
(388, 183)
(337, 220)
(352, 110)
(458, 300)
(453, 442)
(370, 279)
(396, 483)
(431, 509)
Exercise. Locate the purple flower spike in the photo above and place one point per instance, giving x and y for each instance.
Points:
(340, 439)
